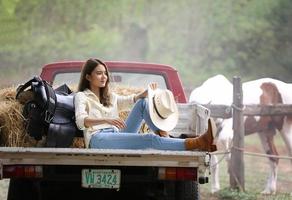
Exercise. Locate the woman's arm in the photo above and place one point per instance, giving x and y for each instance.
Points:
(119, 123)
(83, 120)
(144, 94)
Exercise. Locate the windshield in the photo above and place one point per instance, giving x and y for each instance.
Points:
(120, 79)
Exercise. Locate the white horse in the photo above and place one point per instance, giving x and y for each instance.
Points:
(218, 90)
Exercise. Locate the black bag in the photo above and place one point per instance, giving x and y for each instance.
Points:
(50, 112)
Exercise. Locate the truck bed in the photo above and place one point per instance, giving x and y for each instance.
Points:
(117, 157)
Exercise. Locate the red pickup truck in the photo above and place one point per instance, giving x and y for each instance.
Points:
(72, 173)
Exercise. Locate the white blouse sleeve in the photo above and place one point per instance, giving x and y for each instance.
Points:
(81, 109)
(125, 102)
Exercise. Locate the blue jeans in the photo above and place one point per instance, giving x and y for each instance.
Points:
(129, 138)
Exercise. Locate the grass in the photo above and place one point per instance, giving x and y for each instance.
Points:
(256, 173)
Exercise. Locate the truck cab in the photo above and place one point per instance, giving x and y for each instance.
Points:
(132, 74)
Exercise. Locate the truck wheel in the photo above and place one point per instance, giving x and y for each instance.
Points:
(166, 191)
(187, 190)
(20, 189)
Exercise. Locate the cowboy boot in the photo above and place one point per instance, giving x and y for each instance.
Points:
(161, 133)
(204, 142)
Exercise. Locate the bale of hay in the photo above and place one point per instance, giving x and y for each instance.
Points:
(12, 125)
(78, 142)
(7, 94)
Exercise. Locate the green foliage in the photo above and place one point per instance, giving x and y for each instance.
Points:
(9, 6)
(247, 38)
(236, 195)
(230, 194)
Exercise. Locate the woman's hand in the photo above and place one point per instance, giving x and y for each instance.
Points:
(144, 94)
(153, 86)
(119, 123)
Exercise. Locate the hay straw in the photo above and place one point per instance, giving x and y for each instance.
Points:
(12, 123)
(78, 142)
(12, 129)
(7, 94)
(127, 90)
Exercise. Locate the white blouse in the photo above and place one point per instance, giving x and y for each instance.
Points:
(87, 104)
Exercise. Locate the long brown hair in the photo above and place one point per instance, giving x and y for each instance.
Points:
(87, 68)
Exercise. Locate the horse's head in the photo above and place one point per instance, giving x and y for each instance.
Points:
(271, 96)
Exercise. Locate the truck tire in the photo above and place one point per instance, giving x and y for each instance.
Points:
(21, 189)
(187, 190)
(166, 191)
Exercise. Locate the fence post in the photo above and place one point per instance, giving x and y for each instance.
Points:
(237, 161)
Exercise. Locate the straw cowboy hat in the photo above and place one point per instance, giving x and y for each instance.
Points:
(162, 109)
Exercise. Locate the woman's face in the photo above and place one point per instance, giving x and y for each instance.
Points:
(98, 77)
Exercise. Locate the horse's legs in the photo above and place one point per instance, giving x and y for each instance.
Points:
(215, 184)
(228, 156)
(267, 140)
(286, 134)
(215, 180)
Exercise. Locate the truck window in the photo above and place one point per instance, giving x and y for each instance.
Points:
(133, 79)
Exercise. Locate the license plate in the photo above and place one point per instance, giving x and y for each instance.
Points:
(101, 178)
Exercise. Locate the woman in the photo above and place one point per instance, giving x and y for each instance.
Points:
(97, 110)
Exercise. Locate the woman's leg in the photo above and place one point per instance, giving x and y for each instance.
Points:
(139, 113)
(110, 140)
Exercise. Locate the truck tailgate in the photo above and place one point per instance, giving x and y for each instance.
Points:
(118, 157)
